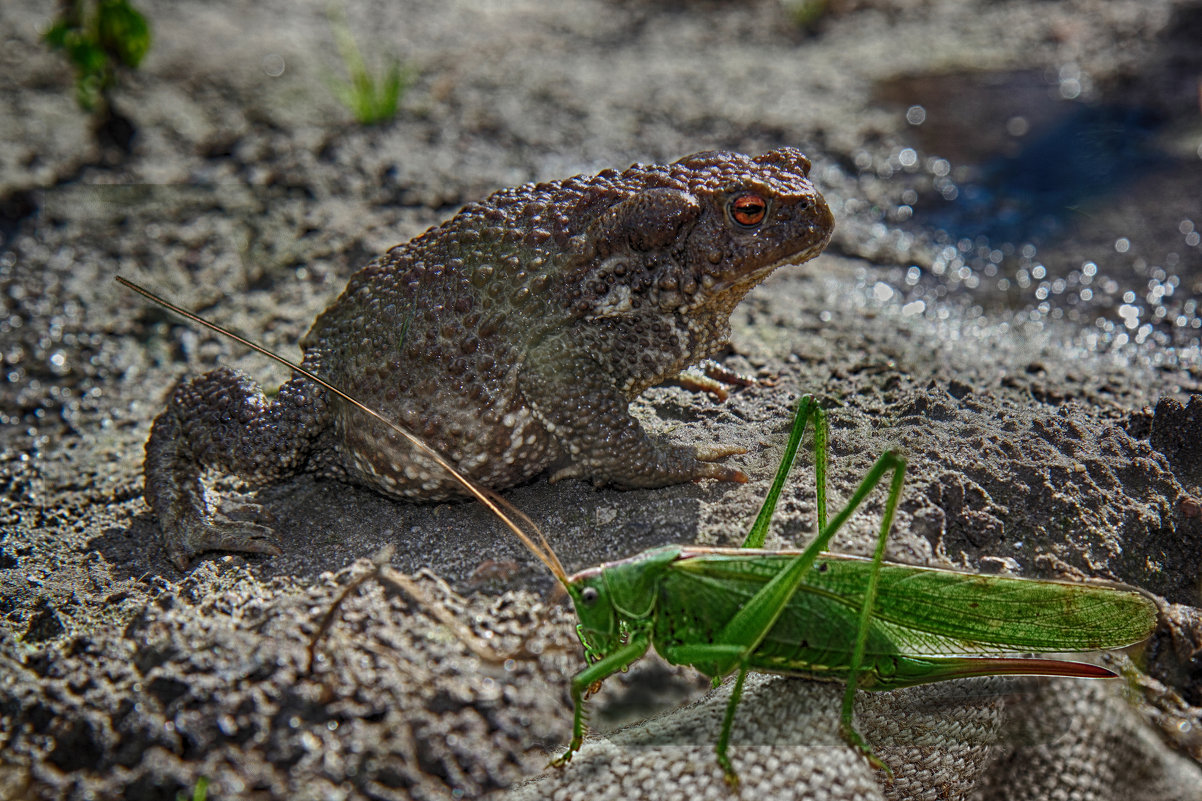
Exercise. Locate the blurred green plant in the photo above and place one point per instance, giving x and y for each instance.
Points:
(371, 99)
(199, 792)
(805, 13)
(100, 38)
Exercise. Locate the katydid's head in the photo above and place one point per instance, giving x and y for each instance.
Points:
(599, 627)
(617, 597)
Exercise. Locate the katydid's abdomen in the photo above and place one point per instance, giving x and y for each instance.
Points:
(927, 624)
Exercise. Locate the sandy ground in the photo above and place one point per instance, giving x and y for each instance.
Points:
(1011, 300)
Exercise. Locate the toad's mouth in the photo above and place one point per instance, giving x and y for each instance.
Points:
(742, 283)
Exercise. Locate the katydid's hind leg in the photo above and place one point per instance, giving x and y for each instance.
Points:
(821, 438)
(852, 737)
(807, 409)
(755, 618)
(765, 602)
(887, 461)
(222, 420)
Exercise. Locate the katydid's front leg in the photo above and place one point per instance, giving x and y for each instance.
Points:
(599, 670)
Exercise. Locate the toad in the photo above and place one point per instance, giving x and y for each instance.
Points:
(512, 338)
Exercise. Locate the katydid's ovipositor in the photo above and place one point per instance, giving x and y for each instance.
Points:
(871, 624)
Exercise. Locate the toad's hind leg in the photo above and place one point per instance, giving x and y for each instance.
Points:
(222, 420)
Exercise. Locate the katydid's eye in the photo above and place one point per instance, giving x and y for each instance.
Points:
(748, 209)
(588, 596)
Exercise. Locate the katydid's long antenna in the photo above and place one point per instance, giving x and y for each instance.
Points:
(496, 504)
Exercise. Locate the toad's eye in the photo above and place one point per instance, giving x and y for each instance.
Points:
(588, 596)
(748, 209)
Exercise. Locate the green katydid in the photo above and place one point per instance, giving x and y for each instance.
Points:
(872, 624)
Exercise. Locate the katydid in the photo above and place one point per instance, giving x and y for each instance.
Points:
(871, 624)
(874, 625)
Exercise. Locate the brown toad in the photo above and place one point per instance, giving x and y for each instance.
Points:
(512, 338)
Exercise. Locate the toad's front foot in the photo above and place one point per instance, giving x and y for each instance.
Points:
(719, 471)
(712, 378)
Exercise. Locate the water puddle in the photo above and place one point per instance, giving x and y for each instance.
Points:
(1036, 193)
